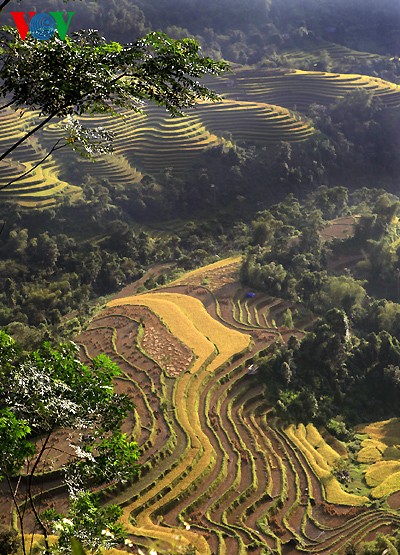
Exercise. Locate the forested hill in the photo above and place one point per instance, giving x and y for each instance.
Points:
(246, 31)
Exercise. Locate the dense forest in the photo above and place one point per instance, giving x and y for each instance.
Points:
(348, 367)
(253, 31)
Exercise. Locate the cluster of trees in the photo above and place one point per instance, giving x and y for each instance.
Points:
(253, 34)
(362, 136)
(348, 367)
(287, 256)
(335, 375)
(52, 267)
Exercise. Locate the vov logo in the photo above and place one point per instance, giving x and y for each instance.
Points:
(42, 26)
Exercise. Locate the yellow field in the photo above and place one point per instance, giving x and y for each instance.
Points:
(383, 441)
(187, 318)
(388, 486)
(203, 272)
(335, 494)
(372, 451)
(382, 451)
(317, 441)
(319, 464)
(300, 88)
(40, 187)
(380, 471)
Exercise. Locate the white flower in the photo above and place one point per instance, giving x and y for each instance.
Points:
(141, 552)
(83, 454)
(67, 521)
(152, 552)
(186, 525)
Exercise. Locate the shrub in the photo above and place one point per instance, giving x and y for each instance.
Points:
(9, 541)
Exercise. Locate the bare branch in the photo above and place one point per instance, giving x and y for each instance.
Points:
(29, 489)
(53, 149)
(4, 4)
(20, 516)
(25, 137)
(7, 105)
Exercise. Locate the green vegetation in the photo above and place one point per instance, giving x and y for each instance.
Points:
(43, 394)
(348, 365)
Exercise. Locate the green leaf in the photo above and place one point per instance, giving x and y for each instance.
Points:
(76, 547)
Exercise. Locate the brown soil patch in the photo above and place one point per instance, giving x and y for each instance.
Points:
(340, 228)
(158, 343)
(166, 349)
(394, 501)
(215, 279)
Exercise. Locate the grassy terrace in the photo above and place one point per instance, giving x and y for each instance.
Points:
(256, 108)
(380, 454)
(154, 141)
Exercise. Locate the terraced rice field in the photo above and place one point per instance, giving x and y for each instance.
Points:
(297, 89)
(40, 187)
(338, 53)
(321, 458)
(154, 141)
(218, 472)
(380, 453)
(256, 108)
(144, 143)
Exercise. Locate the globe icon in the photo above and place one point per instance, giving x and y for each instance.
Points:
(42, 26)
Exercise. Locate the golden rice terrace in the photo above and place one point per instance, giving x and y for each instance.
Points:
(218, 471)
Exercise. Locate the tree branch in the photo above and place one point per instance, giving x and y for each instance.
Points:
(4, 4)
(53, 149)
(7, 105)
(20, 517)
(29, 489)
(25, 137)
